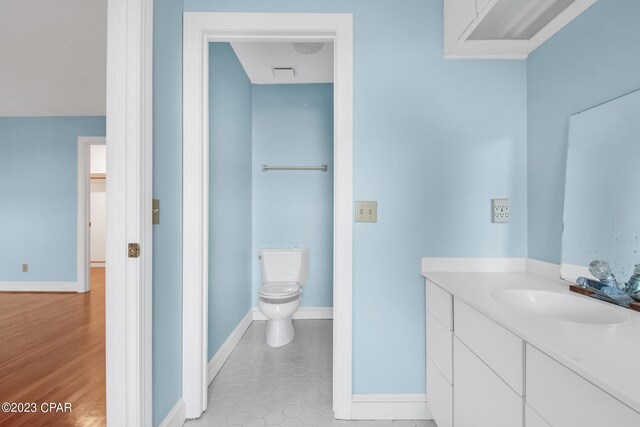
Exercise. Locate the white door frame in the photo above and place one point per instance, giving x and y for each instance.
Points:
(129, 161)
(84, 183)
(199, 30)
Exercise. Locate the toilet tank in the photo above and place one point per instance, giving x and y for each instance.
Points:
(284, 265)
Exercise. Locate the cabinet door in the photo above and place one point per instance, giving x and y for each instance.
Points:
(440, 304)
(480, 397)
(499, 348)
(439, 395)
(565, 399)
(439, 346)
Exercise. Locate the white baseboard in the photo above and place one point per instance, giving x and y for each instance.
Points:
(303, 313)
(227, 347)
(175, 417)
(39, 287)
(98, 264)
(544, 269)
(473, 265)
(390, 407)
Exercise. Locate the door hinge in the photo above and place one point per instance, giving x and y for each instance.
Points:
(134, 250)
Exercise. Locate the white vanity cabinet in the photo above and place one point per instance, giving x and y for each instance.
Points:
(479, 373)
(470, 362)
(504, 28)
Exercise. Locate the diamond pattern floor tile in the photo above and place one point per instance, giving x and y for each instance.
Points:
(286, 386)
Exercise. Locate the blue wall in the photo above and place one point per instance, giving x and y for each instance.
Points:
(38, 195)
(293, 125)
(230, 255)
(434, 141)
(167, 186)
(592, 60)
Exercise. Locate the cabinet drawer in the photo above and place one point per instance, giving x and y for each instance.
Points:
(439, 346)
(565, 399)
(481, 397)
(439, 396)
(440, 304)
(500, 349)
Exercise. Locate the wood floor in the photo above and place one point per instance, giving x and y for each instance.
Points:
(52, 350)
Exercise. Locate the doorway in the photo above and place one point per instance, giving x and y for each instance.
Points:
(199, 30)
(92, 168)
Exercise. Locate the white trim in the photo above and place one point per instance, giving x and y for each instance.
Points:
(465, 48)
(199, 30)
(571, 272)
(463, 265)
(83, 217)
(39, 287)
(128, 189)
(97, 264)
(303, 313)
(390, 407)
(175, 417)
(544, 269)
(223, 353)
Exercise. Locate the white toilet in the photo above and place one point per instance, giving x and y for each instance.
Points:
(284, 273)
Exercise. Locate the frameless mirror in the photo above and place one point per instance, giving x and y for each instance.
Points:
(602, 192)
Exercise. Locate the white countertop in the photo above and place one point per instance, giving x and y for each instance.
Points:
(606, 355)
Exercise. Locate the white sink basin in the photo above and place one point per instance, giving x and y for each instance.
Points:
(559, 306)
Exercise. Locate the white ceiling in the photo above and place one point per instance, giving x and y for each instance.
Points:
(53, 57)
(259, 58)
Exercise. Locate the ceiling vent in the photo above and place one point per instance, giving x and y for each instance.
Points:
(283, 72)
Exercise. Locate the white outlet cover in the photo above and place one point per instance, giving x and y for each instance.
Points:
(500, 210)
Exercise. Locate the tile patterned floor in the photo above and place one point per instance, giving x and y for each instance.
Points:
(289, 386)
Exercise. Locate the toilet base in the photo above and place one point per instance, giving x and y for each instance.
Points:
(279, 332)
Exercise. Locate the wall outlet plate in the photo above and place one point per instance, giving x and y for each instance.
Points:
(366, 211)
(25, 268)
(500, 210)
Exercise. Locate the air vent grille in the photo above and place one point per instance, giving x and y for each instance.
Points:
(288, 72)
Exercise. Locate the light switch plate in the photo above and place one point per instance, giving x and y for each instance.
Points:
(500, 210)
(366, 211)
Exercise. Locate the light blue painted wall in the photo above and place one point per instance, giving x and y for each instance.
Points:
(293, 125)
(38, 195)
(434, 141)
(592, 60)
(230, 254)
(167, 186)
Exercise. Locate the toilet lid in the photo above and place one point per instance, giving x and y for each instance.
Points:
(280, 289)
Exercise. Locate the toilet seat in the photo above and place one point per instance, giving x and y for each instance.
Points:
(280, 290)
